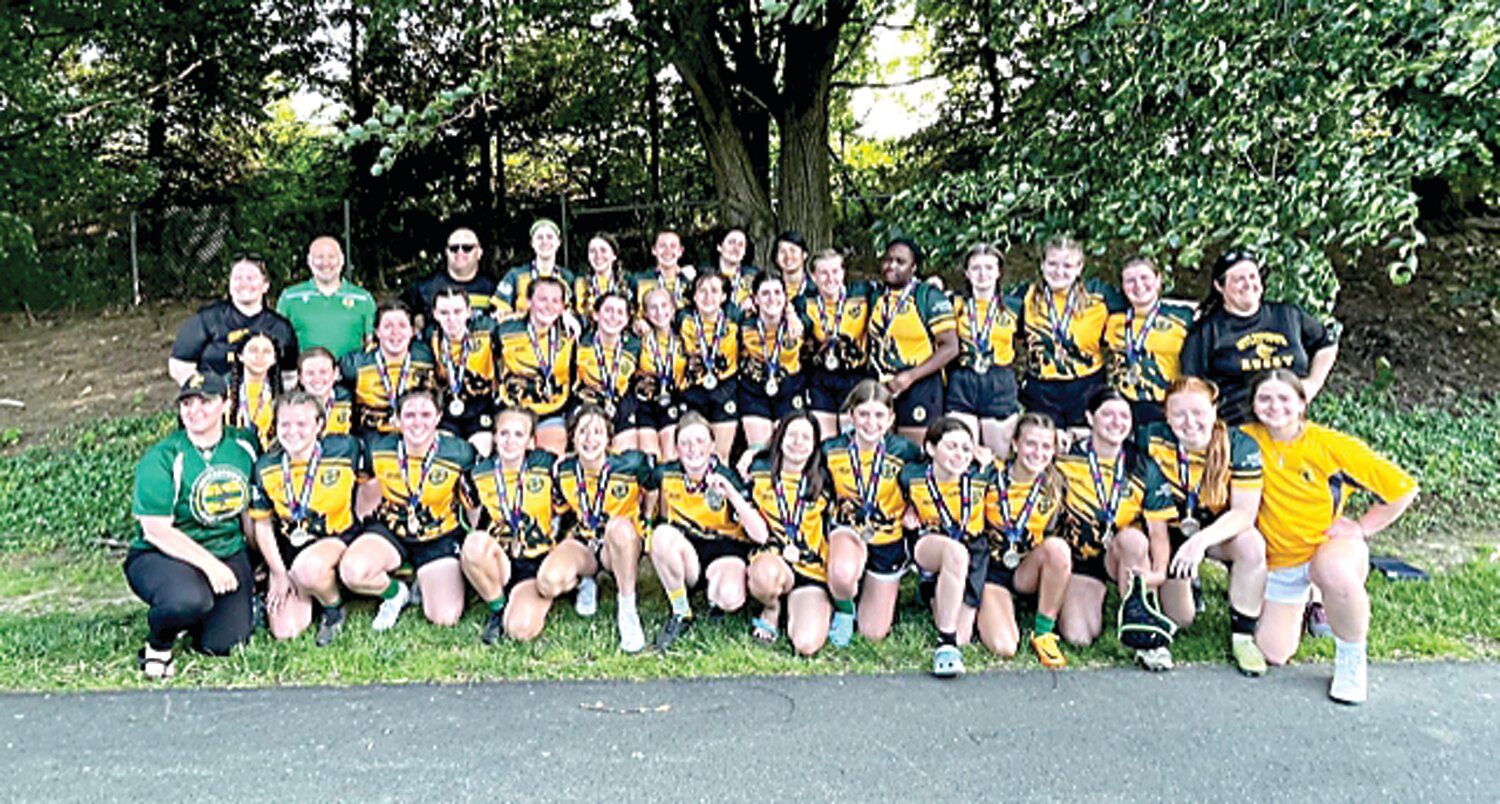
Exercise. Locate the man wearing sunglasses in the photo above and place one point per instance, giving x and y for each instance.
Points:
(209, 341)
(326, 310)
(462, 271)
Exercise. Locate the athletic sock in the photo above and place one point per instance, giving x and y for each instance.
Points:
(679, 599)
(1340, 646)
(1043, 624)
(392, 590)
(1240, 623)
(625, 602)
(498, 604)
(844, 606)
(947, 638)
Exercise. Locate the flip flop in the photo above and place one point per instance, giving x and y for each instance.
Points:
(763, 632)
(153, 668)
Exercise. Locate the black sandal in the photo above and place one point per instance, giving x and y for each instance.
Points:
(153, 668)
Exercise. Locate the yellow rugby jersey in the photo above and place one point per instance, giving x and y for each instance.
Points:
(683, 504)
(519, 361)
(850, 324)
(629, 475)
(1142, 369)
(754, 351)
(971, 315)
(698, 336)
(904, 325)
(1307, 485)
(329, 501)
(657, 351)
(373, 394)
(338, 413)
(811, 539)
(1245, 472)
(1039, 522)
(474, 354)
(443, 495)
(523, 522)
(646, 281)
(739, 284)
(588, 288)
(889, 503)
(596, 362)
(510, 293)
(252, 407)
(1064, 343)
(950, 495)
(1145, 494)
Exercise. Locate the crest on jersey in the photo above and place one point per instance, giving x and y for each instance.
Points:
(218, 495)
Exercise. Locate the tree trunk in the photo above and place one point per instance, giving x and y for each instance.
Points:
(803, 179)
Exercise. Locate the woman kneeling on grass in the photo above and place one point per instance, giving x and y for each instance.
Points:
(1309, 470)
(792, 491)
(188, 559)
(708, 527)
(1214, 474)
(510, 553)
(945, 499)
(412, 492)
(603, 498)
(1026, 556)
(303, 511)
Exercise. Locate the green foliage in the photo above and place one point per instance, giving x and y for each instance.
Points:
(1184, 126)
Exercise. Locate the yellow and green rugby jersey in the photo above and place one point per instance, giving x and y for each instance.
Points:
(839, 457)
(523, 523)
(905, 323)
(251, 407)
(1245, 472)
(596, 362)
(444, 494)
(203, 494)
(697, 335)
(739, 284)
(588, 288)
(338, 413)
(1145, 494)
(477, 386)
(510, 293)
(754, 351)
(624, 494)
(1041, 521)
(330, 500)
(1066, 341)
(852, 326)
(646, 281)
(374, 396)
(519, 364)
(811, 539)
(656, 350)
(1143, 370)
(951, 496)
(972, 315)
(1307, 485)
(684, 506)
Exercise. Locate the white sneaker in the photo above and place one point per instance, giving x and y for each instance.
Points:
(632, 637)
(1156, 659)
(1350, 677)
(385, 616)
(586, 603)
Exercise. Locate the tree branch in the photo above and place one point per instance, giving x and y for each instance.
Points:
(78, 114)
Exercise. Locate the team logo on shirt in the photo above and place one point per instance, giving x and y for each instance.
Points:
(533, 485)
(439, 475)
(329, 477)
(218, 495)
(619, 491)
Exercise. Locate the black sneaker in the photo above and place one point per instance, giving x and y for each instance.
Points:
(257, 612)
(926, 590)
(328, 629)
(715, 614)
(674, 628)
(494, 628)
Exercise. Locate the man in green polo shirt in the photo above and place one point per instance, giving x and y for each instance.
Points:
(326, 311)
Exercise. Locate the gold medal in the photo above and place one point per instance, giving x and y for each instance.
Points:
(791, 554)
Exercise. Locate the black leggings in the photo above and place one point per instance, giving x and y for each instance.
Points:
(181, 600)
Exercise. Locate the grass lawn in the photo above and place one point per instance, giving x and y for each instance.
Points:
(68, 621)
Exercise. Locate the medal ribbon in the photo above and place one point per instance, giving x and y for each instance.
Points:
(891, 313)
(866, 491)
(791, 523)
(513, 513)
(713, 347)
(414, 493)
(675, 287)
(771, 346)
(1184, 474)
(609, 371)
(1015, 526)
(982, 346)
(1059, 327)
(831, 333)
(1107, 508)
(1135, 343)
(455, 372)
(955, 528)
(384, 371)
(687, 482)
(593, 513)
(247, 416)
(544, 370)
(663, 364)
(297, 506)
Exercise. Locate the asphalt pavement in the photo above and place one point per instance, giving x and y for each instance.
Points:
(1431, 732)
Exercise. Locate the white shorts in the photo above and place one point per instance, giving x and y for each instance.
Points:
(1289, 584)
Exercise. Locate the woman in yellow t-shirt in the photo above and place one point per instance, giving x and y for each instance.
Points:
(1309, 470)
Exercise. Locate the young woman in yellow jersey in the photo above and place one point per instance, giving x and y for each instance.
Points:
(1111, 489)
(710, 335)
(412, 496)
(1063, 319)
(792, 491)
(981, 382)
(461, 346)
(303, 515)
(912, 337)
(791, 251)
(506, 554)
(253, 389)
(662, 372)
(1214, 474)
(386, 370)
(667, 274)
(867, 552)
(772, 379)
(1145, 341)
(318, 375)
(837, 316)
(1026, 552)
(708, 525)
(608, 360)
(733, 263)
(603, 276)
(945, 504)
(534, 359)
(1310, 471)
(602, 497)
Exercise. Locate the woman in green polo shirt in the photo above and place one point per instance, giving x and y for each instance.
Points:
(188, 562)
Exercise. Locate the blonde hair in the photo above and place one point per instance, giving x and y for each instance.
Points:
(1214, 490)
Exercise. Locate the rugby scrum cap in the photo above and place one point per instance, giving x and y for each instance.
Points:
(203, 385)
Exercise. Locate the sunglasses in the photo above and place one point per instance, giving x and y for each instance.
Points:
(243, 256)
(454, 248)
